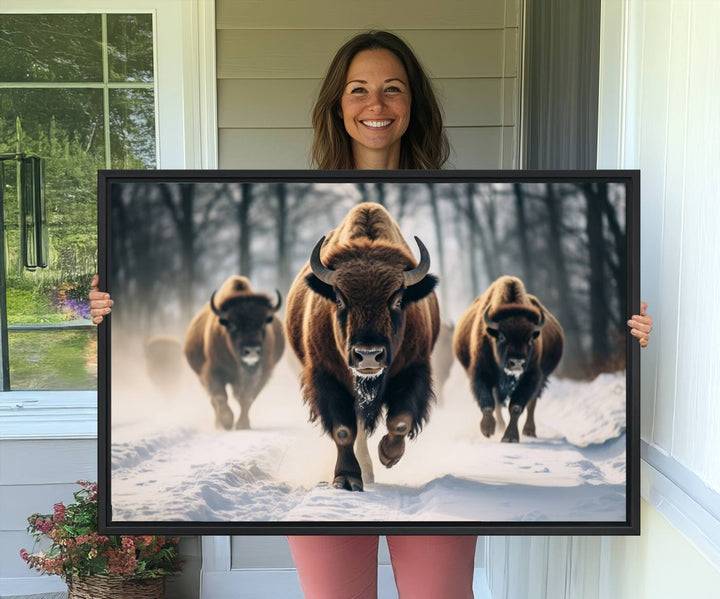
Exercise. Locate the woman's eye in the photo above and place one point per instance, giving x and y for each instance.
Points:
(357, 90)
(393, 89)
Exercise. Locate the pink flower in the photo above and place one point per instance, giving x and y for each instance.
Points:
(128, 543)
(44, 526)
(59, 512)
(121, 562)
(24, 555)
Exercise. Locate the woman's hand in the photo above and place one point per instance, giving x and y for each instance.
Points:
(641, 325)
(100, 302)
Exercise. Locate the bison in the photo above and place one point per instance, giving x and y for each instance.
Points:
(236, 338)
(508, 343)
(363, 318)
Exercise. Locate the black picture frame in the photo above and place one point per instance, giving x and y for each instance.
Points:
(128, 290)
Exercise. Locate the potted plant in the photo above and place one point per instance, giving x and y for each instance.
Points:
(94, 565)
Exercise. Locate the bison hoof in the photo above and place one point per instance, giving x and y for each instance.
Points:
(390, 451)
(349, 482)
(529, 432)
(511, 438)
(487, 425)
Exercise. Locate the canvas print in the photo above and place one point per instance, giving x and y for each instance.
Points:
(331, 352)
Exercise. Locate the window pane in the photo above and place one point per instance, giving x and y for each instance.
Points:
(53, 359)
(130, 47)
(66, 127)
(51, 118)
(132, 128)
(50, 48)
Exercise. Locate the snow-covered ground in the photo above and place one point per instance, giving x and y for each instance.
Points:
(169, 463)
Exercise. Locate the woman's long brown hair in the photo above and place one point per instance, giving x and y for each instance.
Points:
(424, 145)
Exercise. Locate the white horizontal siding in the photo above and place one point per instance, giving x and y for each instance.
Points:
(35, 475)
(288, 103)
(270, 54)
(342, 14)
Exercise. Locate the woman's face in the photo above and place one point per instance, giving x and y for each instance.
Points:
(375, 105)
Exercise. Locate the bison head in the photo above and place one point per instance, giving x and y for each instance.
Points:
(514, 329)
(371, 284)
(245, 319)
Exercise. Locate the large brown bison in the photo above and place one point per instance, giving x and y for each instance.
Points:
(362, 318)
(235, 339)
(508, 343)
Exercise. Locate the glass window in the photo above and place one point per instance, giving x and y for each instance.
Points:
(77, 91)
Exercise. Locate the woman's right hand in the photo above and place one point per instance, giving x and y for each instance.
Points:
(100, 302)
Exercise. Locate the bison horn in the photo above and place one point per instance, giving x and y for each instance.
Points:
(489, 322)
(276, 307)
(213, 307)
(541, 323)
(322, 272)
(414, 276)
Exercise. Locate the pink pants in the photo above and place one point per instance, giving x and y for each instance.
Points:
(336, 567)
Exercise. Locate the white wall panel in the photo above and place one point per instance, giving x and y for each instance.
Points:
(697, 413)
(652, 117)
(672, 231)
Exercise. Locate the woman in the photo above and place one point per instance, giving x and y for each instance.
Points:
(377, 110)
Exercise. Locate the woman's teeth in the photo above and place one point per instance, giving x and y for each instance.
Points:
(376, 124)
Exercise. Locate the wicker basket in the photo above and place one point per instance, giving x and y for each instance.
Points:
(116, 587)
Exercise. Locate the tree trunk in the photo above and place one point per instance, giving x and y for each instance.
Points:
(522, 227)
(440, 245)
(472, 234)
(243, 220)
(575, 357)
(599, 315)
(283, 258)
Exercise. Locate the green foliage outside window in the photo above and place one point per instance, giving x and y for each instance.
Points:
(52, 80)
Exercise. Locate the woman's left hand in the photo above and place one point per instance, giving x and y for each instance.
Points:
(100, 302)
(641, 325)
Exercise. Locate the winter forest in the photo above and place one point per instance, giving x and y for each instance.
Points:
(171, 244)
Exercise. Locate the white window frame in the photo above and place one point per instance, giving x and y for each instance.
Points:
(186, 131)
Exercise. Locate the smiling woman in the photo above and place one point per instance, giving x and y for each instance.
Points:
(375, 108)
(375, 78)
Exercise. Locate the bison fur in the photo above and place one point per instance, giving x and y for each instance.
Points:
(508, 343)
(235, 339)
(362, 318)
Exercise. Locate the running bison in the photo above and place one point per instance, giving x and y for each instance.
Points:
(235, 339)
(362, 318)
(508, 343)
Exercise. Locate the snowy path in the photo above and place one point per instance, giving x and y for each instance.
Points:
(170, 464)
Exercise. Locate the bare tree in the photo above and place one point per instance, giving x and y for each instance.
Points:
(575, 355)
